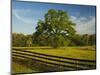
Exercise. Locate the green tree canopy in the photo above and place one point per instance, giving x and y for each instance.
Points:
(56, 26)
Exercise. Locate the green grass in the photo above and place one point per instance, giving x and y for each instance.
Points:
(71, 52)
(19, 68)
(87, 53)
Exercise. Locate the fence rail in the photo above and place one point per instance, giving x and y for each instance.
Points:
(78, 64)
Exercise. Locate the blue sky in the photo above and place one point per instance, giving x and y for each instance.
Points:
(25, 16)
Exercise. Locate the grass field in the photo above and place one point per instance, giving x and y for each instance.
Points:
(19, 68)
(85, 53)
(71, 52)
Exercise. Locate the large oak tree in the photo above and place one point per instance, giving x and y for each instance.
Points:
(55, 27)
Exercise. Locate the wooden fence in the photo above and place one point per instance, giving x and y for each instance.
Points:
(51, 60)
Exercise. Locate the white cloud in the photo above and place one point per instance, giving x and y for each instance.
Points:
(26, 19)
(84, 25)
(22, 16)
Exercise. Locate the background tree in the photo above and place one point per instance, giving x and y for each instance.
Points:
(56, 27)
(19, 39)
(29, 40)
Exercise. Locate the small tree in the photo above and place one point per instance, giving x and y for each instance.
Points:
(56, 26)
(29, 40)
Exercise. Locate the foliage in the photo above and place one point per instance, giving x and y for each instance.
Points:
(19, 39)
(56, 26)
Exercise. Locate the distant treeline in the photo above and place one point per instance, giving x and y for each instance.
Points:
(21, 40)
